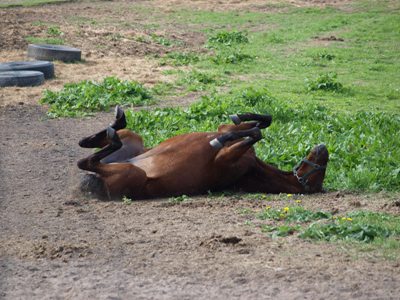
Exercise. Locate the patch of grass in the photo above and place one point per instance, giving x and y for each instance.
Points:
(197, 81)
(179, 199)
(325, 82)
(161, 40)
(231, 57)
(227, 38)
(180, 58)
(54, 30)
(293, 214)
(53, 36)
(380, 231)
(126, 200)
(78, 99)
(45, 40)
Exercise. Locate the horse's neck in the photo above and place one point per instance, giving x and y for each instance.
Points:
(279, 181)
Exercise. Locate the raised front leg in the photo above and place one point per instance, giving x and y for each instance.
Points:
(240, 122)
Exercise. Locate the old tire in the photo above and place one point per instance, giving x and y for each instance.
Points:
(46, 67)
(54, 52)
(21, 78)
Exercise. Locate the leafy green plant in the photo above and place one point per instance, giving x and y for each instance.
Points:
(77, 99)
(44, 40)
(197, 81)
(179, 199)
(325, 82)
(228, 38)
(345, 230)
(54, 30)
(161, 40)
(126, 200)
(231, 57)
(180, 58)
(295, 214)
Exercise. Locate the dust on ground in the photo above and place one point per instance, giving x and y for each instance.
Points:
(56, 244)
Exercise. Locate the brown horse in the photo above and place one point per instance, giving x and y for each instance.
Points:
(193, 163)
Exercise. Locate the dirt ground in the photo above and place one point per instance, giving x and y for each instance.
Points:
(55, 244)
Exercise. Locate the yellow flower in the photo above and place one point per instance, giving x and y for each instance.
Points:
(349, 219)
(290, 195)
(298, 201)
(267, 207)
(286, 209)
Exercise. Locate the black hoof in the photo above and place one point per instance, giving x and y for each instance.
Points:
(120, 120)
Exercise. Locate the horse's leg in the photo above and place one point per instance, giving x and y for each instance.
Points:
(91, 162)
(116, 179)
(132, 145)
(239, 120)
(251, 136)
(99, 140)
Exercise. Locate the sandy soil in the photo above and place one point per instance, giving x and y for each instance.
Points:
(55, 244)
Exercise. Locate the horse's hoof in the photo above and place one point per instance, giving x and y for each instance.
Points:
(118, 112)
(235, 119)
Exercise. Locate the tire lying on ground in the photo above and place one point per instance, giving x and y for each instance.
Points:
(54, 52)
(46, 67)
(21, 78)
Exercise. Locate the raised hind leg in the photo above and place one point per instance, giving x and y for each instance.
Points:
(99, 140)
(117, 179)
(240, 122)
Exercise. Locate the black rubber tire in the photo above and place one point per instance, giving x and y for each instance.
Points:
(21, 78)
(54, 52)
(46, 67)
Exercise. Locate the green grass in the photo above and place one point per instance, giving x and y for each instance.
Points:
(366, 230)
(53, 35)
(86, 97)
(287, 50)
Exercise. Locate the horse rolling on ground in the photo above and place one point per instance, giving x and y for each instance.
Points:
(193, 163)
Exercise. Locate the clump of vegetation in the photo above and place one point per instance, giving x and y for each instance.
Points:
(227, 38)
(229, 57)
(362, 226)
(53, 36)
(162, 40)
(178, 199)
(180, 58)
(78, 99)
(325, 82)
(197, 81)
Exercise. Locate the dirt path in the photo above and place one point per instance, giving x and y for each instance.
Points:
(54, 245)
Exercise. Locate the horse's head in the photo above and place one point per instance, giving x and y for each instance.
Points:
(311, 171)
